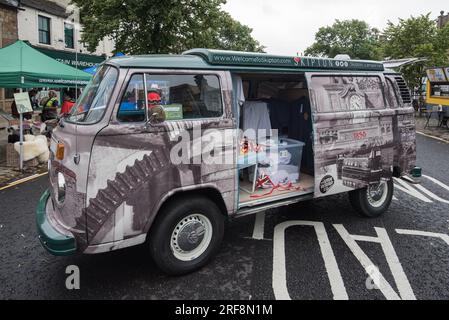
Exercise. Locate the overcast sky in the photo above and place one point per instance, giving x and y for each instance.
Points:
(289, 26)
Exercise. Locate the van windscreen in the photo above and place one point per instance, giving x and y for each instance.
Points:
(94, 100)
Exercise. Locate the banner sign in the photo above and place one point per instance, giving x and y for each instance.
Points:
(264, 60)
(436, 75)
(23, 102)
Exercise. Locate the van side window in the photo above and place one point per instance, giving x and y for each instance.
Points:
(347, 93)
(391, 96)
(186, 96)
(132, 105)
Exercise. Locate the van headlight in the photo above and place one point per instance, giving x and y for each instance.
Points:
(61, 188)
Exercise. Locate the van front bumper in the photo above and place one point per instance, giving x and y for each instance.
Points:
(51, 239)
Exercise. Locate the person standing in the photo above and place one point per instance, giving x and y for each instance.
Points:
(33, 98)
(50, 109)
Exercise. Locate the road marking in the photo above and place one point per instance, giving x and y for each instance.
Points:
(441, 184)
(431, 194)
(432, 137)
(279, 277)
(15, 183)
(402, 283)
(259, 226)
(407, 188)
(397, 271)
(442, 236)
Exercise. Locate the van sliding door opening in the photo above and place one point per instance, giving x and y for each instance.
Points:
(275, 156)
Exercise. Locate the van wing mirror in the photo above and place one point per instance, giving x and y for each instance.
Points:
(156, 115)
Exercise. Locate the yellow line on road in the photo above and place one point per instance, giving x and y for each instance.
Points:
(15, 183)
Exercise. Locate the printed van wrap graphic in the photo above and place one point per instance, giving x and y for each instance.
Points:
(130, 176)
(358, 139)
(122, 201)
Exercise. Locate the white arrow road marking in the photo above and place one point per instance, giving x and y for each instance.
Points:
(399, 276)
(279, 268)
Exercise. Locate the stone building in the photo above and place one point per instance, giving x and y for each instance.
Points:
(50, 27)
(8, 34)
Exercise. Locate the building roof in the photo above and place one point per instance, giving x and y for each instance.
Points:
(46, 6)
(10, 3)
(243, 61)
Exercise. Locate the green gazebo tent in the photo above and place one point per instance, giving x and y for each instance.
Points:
(22, 66)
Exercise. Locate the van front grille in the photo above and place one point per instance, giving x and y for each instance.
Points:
(405, 93)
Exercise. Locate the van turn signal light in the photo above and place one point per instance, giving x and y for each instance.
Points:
(60, 151)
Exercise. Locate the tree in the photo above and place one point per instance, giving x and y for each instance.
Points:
(162, 26)
(416, 37)
(353, 37)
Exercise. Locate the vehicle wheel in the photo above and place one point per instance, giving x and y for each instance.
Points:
(186, 234)
(374, 200)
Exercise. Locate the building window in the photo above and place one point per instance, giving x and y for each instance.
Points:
(44, 30)
(68, 36)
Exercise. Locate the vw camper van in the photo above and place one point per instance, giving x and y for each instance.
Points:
(162, 149)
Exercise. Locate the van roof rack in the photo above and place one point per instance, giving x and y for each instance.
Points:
(253, 59)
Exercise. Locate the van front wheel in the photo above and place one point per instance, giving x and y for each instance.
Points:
(186, 234)
(373, 200)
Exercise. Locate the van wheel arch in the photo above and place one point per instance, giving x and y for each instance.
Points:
(209, 192)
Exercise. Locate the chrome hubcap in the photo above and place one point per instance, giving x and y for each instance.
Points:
(191, 237)
(377, 194)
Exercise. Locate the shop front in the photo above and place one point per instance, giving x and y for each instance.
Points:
(71, 58)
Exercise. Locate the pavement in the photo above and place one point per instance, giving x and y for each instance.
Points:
(432, 129)
(315, 250)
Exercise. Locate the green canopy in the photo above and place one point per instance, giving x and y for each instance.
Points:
(21, 66)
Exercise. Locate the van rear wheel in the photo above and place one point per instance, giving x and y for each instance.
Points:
(374, 200)
(186, 234)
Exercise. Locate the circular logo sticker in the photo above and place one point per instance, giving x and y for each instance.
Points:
(326, 183)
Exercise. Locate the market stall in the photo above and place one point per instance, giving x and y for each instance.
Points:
(437, 95)
(22, 66)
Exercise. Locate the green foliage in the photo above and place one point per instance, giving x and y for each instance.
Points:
(163, 26)
(352, 37)
(416, 37)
